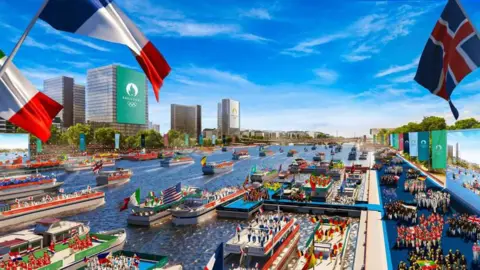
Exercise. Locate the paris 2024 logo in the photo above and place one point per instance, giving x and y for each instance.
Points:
(132, 92)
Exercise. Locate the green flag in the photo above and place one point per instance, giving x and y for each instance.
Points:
(39, 146)
(186, 139)
(439, 149)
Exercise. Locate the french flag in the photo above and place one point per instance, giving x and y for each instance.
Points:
(216, 261)
(102, 19)
(239, 228)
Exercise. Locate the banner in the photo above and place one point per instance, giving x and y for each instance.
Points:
(390, 140)
(382, 139)
(406, 143)
(374, 139)
(234, 114)
(400, 141)
(83, 146)
(413, 138)
(200, 140)
(439, 149)
(423, 146)
(165, 139)
(131, 98)
(142, 141)
(395, 141)
(186, 139)
(39, 146)
(117, 141)
(214, 139)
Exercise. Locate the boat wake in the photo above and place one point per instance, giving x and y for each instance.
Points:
(154, 169)
(217, 176)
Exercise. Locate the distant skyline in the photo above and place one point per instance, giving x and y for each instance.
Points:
(327, 66)
(468, 144)
(14, 141)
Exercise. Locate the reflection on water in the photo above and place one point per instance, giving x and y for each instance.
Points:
(190, 245)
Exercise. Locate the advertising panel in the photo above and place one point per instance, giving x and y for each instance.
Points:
(14, 147)
(130, 96)
(234, 114)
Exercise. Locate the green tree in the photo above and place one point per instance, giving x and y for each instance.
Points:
(105, 136)
(174, 134)
(153, 139)
(465, 124)
(73, 134)
(433, 123)
(130, 142)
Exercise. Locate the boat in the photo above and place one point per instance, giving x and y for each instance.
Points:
(272, 241)
(224, 149)
(107, 156)
(320, 156)
(185, 151)
(305, 149)
(297, 165)
(154, 209)
(198, 209)
(57, 244)
(145, 261)
(242, 154)
(291, 152)
(25, 213)
(176, 161)
(290, 144)
(217, 167)
(140, 156)
(263, 176)
(166, 154)
(265, 153)
(352, 155)
(23, 186)
(283, 174)
(117, 177)
(314, 147)
(87, 165)
(281, 150)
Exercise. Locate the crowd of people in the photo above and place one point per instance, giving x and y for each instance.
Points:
(426, 234)
(412, 174)
(389, 195)
(418, 259)
(414, 186)
(464, 226)
(433, 200)
(263, 227)
(399, 211)
(389, 180)
(48, 199)
(114, 263)
(395, 170)
(256, 195)
(377, 166)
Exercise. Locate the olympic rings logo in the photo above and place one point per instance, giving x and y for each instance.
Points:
(131, 104)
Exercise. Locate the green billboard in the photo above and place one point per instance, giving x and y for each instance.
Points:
(130, 96)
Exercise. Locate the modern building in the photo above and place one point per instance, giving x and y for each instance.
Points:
(187, 119)
(156, 127)
(117, 97)
(457, 152)
(6, 127)
(450, 151)
(209, 132)
(70, 95)
(228, 117)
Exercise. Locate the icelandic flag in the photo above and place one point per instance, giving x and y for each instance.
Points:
(23, 105)
(102, 19)
(451, 53)
(216, 261)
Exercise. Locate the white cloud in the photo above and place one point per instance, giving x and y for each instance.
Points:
(252, 37)
(258, 13)
(396, 69)
(151, 9)
(30, 42)
(78, 64)
(37, 74)
(326, 76)
(369, 24)
(405, 78)
(361, 53)
(308, 46)
(472, 86)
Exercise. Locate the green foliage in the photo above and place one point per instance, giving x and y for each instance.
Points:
(73, 134)
(174, 134)
(130, 142)
(153, 139)
(465, 124)
(105, 136)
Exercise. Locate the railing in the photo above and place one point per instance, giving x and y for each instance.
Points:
(285, 243)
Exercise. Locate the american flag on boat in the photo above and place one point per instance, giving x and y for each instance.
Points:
(172, 194)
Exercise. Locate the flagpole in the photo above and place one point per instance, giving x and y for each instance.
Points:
(22, 38)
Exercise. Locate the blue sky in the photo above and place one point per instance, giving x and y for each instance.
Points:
(468, 142)
(292, 64)
(14, 141)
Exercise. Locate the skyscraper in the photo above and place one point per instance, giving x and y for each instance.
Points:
(72, 96)
(229, 117)
(117, 97)
(6, 127)
(187, 119)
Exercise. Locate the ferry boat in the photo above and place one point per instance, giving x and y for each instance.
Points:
(217, 167)
(265, 153)
(117, 177)
(140, 156)
(185, 151)
(71, 242)
(320, 156)
(352, 155)
(164, 155)
(25, 213)
(154, 209)
(23, 186)
(263, 176)
(283, 174)
(107, 156)
(264, 249)
(298, 165)
(87, 165)
(243, 154)
(198, 209)
(176, 161)
(314, 147)
(146, 261)
(224, 149)
(291, 152)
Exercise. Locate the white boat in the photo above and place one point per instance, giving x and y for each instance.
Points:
(74, 167)
(176, 161)
(23, 186)
(118, 177)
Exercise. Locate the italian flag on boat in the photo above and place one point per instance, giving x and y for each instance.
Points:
(23, 105)
(133, 200)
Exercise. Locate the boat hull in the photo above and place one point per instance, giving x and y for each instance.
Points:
(14, 221)
(209, 170)
(147, 221)
(167, 163)
(85, 168)
(195, 217)
(237, 157)
(24, 192)
(105, 182)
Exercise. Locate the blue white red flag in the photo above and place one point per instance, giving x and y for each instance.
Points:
(452, 52)
(102, 19)
(216, 261)
(172, 194)
(239, 228)
(260, 210)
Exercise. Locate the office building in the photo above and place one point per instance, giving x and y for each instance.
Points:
(228, 117)
(209, 132)
(117, 97)
(70, 95)
(449, 151)
(156, 127)
(457, 151)
(6, 127)
(186, 119)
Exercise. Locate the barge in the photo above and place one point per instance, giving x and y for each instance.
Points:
(140, 156)
(87, 165)
(112, 178)
(243, 154)
(266, 153)
(216, 168)
(176, 161)
(24, 186)
(263, 176)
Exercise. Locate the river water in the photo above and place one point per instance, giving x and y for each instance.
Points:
(192, 245)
